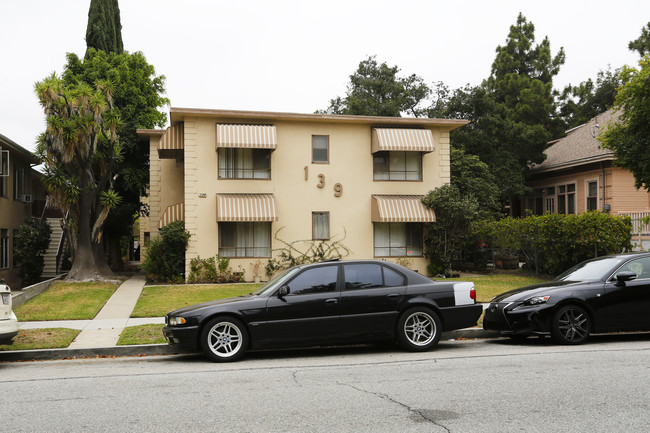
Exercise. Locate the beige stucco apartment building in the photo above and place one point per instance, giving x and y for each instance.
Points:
(247, 183)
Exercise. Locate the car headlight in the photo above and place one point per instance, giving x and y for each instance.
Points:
(177, 320)
(537, 300)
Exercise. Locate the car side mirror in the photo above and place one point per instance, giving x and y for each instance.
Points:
(622, 277)
(283, 291)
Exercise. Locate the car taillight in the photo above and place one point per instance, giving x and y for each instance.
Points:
(472, 293)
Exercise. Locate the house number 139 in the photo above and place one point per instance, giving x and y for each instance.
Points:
(338, 188)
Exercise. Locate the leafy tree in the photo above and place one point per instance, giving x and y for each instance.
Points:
(579, 104)
(104, 30)
(473, 177)
(642, 44)
(377, 90)
(30, 246)
(446, 239)
(79, 150)
(629, 138)
(137, 97)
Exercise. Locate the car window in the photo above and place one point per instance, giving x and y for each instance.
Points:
(363, 276)
(641, 267)
(590, 270)
(393, 278)
(315, 280)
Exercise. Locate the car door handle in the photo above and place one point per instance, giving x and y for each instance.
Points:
(393, 295)
(332, 301)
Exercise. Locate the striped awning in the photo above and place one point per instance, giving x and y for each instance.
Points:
(247, 136)
(401, 208)
(412, 140)
(175, 212)
(172, 142)
(246, 207)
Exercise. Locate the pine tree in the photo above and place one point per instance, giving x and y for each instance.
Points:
(104, 31)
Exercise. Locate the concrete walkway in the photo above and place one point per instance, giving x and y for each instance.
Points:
(105, 329)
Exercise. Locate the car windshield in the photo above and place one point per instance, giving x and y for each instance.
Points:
(274, 282)
(590, 270)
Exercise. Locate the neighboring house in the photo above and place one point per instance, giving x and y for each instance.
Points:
(21, 196)
(246, 183)
(579, 175)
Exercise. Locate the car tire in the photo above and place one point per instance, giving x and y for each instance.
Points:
(224, 339)
(418, 329)
(571, 325)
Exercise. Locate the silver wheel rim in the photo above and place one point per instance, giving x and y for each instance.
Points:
(573, 325)
(420, 329)
(225, 339)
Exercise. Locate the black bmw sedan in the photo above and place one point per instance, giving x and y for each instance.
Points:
(328, 303)
(606, 294)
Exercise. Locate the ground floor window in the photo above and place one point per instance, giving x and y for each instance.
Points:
(245, 239)
(320, 225)
(592, 195)
(4, 248)
(398, 239)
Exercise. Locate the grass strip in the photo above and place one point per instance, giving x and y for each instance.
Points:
(156, 301)
(142, 334)
(488, 286)
(66, 301)
(44, 338)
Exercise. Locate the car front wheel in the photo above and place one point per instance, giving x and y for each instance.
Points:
(418, 329)
(571, 325)
(224, 339)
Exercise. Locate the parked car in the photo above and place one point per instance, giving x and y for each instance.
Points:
(328, 303)
(606, 294)
(8, 321)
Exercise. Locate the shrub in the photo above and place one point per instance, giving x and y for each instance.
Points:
(31, 243)
(164, 259)
(212, 270)
(552, 243)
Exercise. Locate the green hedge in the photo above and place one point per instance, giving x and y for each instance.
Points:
(552, 243)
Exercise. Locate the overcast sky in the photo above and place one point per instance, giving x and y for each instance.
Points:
(294, 56)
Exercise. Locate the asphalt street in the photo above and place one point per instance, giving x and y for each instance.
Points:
(462, 386)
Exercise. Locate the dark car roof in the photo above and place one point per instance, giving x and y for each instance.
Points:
(412, 276)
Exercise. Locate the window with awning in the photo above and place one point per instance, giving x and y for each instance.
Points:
(246, 208)
(401, 208)
(175, 212)
(241, 136)
(401, 139)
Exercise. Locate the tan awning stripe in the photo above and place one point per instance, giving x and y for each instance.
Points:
(246, 207)
(247, 136)
(173, 138)
(401, 208)
(412, 140)
(175, 212)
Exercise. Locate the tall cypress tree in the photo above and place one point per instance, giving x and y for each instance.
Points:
(104, 31)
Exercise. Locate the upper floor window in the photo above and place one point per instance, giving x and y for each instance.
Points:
(592, 195)
(19, 183)
(397, 165)
(237, 163)
(4, 248)
(4, 176)
(320, 149)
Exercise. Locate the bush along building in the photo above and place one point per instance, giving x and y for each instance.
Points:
(263, 189)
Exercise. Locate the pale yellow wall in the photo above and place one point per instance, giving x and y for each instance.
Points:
(350, 164)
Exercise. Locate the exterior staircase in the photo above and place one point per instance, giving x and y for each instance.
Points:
(56, 239)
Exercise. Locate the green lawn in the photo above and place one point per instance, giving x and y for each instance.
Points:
(66, 301)
(45, 338)
(156, 301)
(488, 286)
(143, 334)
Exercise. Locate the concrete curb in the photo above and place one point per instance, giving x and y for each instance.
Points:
(165, 349)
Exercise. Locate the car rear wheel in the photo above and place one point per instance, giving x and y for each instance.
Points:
(571, 325)
(418, 329)
(224, 339)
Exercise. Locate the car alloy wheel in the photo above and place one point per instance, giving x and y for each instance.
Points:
(419, 329)
(224, 339)
(571, 325)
